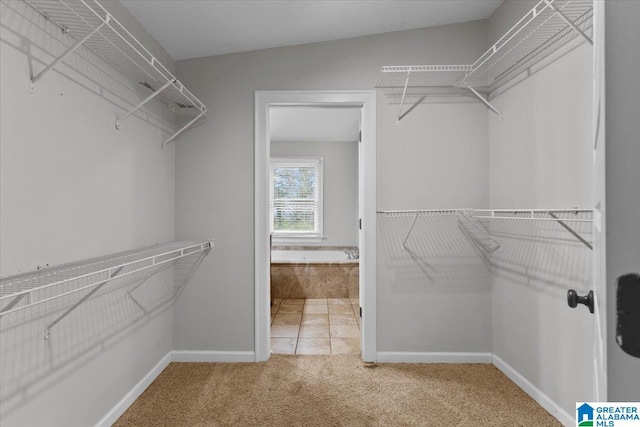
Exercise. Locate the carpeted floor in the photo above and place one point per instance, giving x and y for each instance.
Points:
(333, 391)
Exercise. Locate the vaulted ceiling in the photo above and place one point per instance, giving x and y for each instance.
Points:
(196, 28)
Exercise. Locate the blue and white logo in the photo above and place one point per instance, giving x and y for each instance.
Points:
(608, 414)
(585, 415)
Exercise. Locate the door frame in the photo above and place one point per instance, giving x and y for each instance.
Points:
(367, 174)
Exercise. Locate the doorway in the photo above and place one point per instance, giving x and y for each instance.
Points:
(265, 103)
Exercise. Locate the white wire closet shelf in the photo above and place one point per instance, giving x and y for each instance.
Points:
(26, 290)
(483, 237)
(548, 26)
(91, 25)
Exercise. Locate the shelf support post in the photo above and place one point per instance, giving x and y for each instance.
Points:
(68, 52)
(484, 101)
(147, 99)
(47, 332)
(571, 230)
(404, 92)
(569, 22)
(183, 128)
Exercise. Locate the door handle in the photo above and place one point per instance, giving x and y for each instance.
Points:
(573, 299)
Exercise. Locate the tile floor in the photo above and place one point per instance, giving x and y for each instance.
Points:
(315, 326)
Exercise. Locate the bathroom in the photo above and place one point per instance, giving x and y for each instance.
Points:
(314, 230)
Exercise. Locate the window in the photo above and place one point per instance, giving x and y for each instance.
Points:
(296, 199)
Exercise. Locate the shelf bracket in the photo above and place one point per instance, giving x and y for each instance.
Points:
(568, 21)
(491, 249)
(183, 128)
(147, 99)
(193, 269)
(47, 332)
(68, 52)
(571, 230)
(404, 242)
(484, 101)
(13, 303)
(404, 92)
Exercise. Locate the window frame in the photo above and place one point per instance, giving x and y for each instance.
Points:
(298, 236)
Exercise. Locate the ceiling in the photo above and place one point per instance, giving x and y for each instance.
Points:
(314, 124)
(196, 28)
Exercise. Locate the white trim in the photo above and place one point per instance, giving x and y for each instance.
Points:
(432, 357)
(212, 356)
(536, 394)
(366, 100)
(128, 399)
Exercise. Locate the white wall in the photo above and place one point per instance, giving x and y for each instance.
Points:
(340, 186)
(541, 157)
(430, 160)
(72, 187)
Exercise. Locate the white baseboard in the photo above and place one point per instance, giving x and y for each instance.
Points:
(536, 394)
(128, 399)
(212, 356)
(428, 357)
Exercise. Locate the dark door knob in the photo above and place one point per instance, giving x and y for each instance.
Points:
(573, 299)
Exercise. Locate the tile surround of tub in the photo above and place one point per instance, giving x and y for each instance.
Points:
(314, 281)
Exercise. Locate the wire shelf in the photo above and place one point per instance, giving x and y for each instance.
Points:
(425, 212)
(111, 41)
(423, 76)
(29, 289)
(537, 35)
(483, 237)
(548, 26)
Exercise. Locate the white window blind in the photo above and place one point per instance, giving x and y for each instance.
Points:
(296, 197)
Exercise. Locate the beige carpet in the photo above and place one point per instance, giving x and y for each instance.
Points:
(333, 391)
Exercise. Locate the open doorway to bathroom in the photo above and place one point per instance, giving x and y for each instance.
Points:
(315, 223)
(313, 219)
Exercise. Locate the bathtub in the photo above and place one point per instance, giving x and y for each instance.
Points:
(297, 256)
(314, 273)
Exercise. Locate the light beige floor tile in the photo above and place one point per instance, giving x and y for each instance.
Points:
(313, 346)
(355, 301)
(287, 319)
(314, 331)
(290, 308)
(285, 331)
(292, 301)
(315, 301)
(345, 345)
(342, 319)
(315, 319)
(359, 322)
(274, 308)
(283, 345)
(315, 309)
(273, 316)
(344, 331)
(339, 301)
(341, 309)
